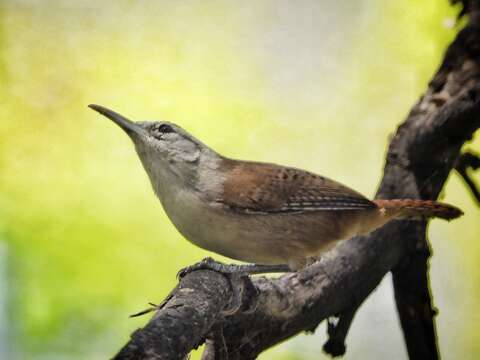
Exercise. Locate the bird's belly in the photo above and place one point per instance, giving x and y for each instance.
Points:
(262, 239)
(217, 230)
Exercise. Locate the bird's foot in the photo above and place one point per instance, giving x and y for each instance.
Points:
(243, 269)
(237, 276)
(237, 280)
(207, 264)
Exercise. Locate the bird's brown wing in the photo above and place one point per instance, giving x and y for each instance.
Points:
(268, 188)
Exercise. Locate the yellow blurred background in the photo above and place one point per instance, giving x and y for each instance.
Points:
(319, 85)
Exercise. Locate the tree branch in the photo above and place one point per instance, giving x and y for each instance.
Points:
(337, 332)
(183, 321)
(465, 161)
(215, 347)
(412, 296)
(421, 155)
(451, 92)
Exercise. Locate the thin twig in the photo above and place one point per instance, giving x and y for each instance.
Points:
(337, 332)
(467, 161)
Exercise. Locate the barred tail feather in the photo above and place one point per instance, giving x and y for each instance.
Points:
(407, 208)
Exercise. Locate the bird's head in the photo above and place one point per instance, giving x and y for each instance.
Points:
(160, 145)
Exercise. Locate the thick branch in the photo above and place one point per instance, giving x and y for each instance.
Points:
(183, 321)
(439, 124)
(412, 296)
(420, 157)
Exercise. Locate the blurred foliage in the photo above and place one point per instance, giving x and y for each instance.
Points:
(316, 85)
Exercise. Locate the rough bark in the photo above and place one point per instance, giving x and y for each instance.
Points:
(421, 155)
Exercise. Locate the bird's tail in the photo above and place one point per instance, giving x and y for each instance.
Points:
(408, 209)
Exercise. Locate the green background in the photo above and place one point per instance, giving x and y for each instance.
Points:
(319, 85)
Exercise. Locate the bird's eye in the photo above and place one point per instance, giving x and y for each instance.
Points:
(161, 130)
(164, 128)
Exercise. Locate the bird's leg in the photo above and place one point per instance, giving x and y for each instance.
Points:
(240, 269)
(237, 276)
(237, 284)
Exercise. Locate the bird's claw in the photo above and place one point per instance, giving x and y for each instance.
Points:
(206, 264)
(238, 280)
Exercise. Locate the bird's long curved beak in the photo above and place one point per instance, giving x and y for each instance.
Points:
(127, 125)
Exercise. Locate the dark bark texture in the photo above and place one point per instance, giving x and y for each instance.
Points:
(421, 155)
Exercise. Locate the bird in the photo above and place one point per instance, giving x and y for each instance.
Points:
(271, 217)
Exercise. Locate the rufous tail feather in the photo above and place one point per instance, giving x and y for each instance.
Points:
(409, 208)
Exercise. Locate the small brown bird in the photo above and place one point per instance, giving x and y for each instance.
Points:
(274, 216)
